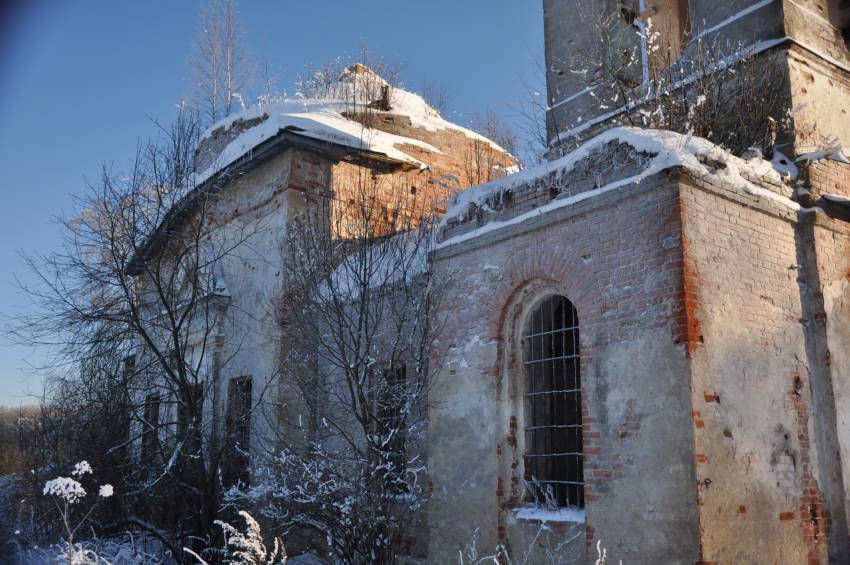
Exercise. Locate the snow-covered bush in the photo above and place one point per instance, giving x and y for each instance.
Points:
(349, 506)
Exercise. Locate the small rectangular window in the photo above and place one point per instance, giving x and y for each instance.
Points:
(239, 404)
(150, 433)
(190, 417)
(624, 50)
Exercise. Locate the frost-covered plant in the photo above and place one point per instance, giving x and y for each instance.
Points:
(66, 493)
(350, 506)
(542, 548)
(82, 468)
(248, 547)
(470, 555)
(65, 488)
(602, 554)
(107, 551)
(543, 494)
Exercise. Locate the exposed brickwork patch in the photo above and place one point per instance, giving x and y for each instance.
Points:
(688, 330)
(814, 518)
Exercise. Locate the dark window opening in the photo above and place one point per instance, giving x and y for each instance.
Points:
(628, 10)
(239, 398)
(552, 411)
(128, 366)
(684, 19)
(190, 418)
(623, 54)
(150, 434)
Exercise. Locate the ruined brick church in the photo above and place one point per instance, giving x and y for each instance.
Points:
(689, 310)
(647, 339)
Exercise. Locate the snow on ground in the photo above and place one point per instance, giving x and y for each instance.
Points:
(667, 150)
(323, 119)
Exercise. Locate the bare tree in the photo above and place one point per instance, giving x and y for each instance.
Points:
(482, 160)
(375, 77)
(348, 470)
(358, 328)
(132, 308)
(437, 96)
(532, 111)
(221, 65)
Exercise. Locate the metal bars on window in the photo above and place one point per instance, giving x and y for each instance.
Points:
(552, 422)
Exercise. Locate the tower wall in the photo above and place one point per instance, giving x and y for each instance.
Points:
(805, 41)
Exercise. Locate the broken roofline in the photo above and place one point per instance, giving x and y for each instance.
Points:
(251, 159)
(666, 150)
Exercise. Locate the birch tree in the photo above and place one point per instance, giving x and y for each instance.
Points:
(221, 65)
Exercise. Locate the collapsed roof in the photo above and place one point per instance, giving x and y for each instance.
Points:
(335, 116)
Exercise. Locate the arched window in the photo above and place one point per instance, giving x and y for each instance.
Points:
(552, 404)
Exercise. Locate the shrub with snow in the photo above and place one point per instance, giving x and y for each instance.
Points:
(248, 547)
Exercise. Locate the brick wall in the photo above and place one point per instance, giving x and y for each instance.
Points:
(827, 176)
(828, 272)
(472, 160)
(761, 403)
(710, 322)
(606, 164)
(618, 259)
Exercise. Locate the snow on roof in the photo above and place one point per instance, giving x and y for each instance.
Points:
(320, 120)
(837, 198)
(323, 119)
(839, 154)
(667, 149)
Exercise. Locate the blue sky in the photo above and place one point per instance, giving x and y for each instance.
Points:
(80, 80)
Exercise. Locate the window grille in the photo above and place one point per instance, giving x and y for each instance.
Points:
(552, 411)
